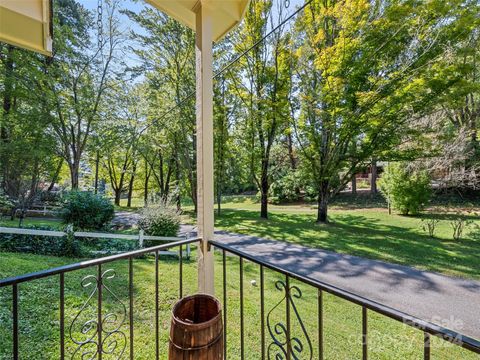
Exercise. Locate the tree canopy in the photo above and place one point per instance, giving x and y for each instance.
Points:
(298, 111)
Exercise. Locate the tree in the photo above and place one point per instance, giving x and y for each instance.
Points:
(77, 77)
(365, 73)
(264, 92)
(221, 135)
(27, 149)
(225, 113)
(168, 60)
(406, 190)
(120, 133)
(456, 124)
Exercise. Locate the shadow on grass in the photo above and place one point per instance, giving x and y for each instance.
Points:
(362, 236)
(361, 200)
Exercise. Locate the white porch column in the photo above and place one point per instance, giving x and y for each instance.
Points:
(204, 109)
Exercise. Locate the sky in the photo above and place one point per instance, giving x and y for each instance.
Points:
(288, 7)
(138, 5)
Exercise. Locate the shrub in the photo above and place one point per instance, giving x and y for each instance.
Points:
(50, 197)
(41, 245)
(86, 211)
(407, 191)
(6, 205)
(286, 189)
(160, 219)
(429, 225)
(459, 224)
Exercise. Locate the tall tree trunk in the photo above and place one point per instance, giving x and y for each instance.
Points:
(291, 156)
(130, 186)
(177, 181)
(55, 176)
(145, 192)
(7, 106)
(264, 197)
(193, 190)
(354, 184)
(219, 182)
(118, 192)
(74, 175)
(8, 87)
(97, 162)
(145, 185)
(219, 199)
(374, 174)
(195, 200)
(118, 196)
(323, 198)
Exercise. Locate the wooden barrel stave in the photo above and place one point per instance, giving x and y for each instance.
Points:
(196, 331)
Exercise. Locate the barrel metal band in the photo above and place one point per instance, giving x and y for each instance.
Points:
(220, 336)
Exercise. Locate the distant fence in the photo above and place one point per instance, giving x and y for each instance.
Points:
(140, 237)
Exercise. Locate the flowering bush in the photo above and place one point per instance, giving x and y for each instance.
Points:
(160, 219)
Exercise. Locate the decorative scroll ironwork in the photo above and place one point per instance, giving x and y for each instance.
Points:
(281, 339)
(114, 340)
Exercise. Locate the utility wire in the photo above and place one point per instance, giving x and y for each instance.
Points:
(229, 65)
(290, 17)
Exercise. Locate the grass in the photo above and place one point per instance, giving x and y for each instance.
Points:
(358, 228)
(39, 309)
(55, 223)
(366, 232)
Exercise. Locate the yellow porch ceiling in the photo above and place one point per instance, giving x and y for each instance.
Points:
(226, 14)
(26, 23)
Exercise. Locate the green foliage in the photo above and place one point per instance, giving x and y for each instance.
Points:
(407, 191)
(364, 71)
(5, 203)
(344, 82)
(41, 245)
(50, 198)
(160, 219)
(168, 148)
(86, 211)
(286, 189)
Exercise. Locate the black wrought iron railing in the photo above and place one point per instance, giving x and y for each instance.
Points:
(89, 329)
(104, 334)
(279, 341)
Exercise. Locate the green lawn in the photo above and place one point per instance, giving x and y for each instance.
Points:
(5, 221)
(357, 227)
(360, 229)
(363, 231)
(39, 306)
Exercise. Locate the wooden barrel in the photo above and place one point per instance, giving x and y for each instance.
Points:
(196, 332)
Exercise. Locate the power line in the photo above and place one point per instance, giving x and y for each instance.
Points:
(229, 65)
(290, 17)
